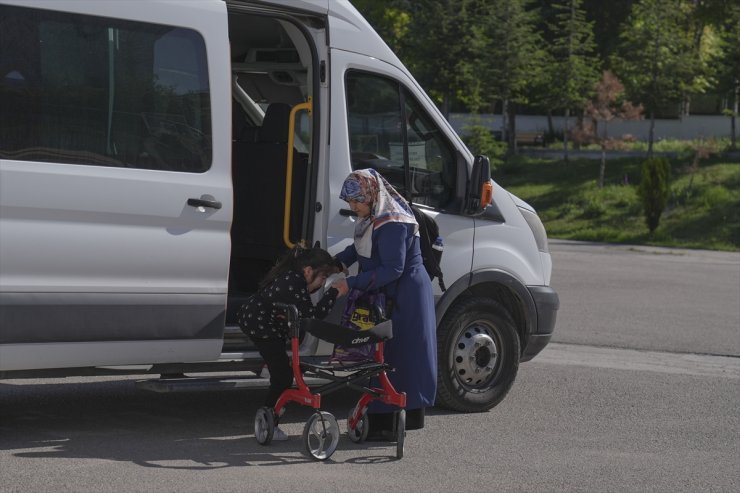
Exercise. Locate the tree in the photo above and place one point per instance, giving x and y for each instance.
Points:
(728, 77)
(481, 141)
(442, 46)
(390, 18)
(573, 68)
(702, 17)
(607, 104)
(513, 58)
(607, 17)
(654, 189)
(656, 59)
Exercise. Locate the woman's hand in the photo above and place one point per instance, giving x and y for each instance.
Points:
(339, 267)
(341, 286)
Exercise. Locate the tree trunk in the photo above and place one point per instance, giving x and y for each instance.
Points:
(579, 126)
(684, 108)
(512, 126)
(733, 117)
(651, 134)
(446, 106)
(565, 136)
(550, 126)
(602, 168)
(505, 123)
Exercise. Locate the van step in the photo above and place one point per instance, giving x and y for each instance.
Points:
(199, 384)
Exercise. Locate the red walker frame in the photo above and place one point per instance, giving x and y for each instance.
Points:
(357, 376)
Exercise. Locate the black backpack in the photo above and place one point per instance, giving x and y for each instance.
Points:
(428, 234)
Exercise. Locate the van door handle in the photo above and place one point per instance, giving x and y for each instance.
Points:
(347, 213)
(213, 204)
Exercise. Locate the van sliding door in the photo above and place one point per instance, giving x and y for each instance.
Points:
(115, 183)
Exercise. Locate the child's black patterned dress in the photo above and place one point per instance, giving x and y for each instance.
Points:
(257, 317)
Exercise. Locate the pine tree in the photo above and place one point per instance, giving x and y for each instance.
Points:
(728, 77)
(390, 18)
(513, 60)
(607, 18)
(442, 46)
(656, 61)
(654, 189)
(574, 69)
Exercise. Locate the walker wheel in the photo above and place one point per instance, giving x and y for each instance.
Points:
(321, 435)
(359, 433)
(400, 432)
(264, 425)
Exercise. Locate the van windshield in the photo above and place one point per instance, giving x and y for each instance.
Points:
(392, 133)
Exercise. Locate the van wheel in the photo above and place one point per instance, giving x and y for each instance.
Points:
(478, 355)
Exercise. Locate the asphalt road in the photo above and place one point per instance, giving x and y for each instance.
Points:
(636, 297)
(626, 398)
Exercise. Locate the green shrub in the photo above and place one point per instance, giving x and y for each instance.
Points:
(592, 205)
(654, 189)
(716, 197)
(706, 215)
(481, 141)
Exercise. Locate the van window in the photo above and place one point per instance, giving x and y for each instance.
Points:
(415, 151)
(88, 90)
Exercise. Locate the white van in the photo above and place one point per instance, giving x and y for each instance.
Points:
(157, 157)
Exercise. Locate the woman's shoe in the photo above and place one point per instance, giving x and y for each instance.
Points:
(415, 418)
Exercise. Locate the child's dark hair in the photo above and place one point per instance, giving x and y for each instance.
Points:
(298, 258)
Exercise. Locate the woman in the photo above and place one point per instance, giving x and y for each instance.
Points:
(386, 247)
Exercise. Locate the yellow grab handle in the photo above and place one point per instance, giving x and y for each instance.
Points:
(308, 106)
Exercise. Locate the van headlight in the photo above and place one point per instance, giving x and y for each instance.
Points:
(538, 229)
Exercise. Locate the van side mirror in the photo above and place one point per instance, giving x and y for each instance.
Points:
(480, 188)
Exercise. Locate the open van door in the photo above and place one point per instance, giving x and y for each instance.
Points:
(115, 183)
(392, 127)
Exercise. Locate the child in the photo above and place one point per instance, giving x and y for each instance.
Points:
(292, 280)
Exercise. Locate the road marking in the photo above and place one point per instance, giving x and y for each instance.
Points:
(631, 359)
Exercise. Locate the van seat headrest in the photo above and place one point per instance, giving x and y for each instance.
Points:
(275, 125)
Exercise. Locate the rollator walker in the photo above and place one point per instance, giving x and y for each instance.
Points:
(321, 431)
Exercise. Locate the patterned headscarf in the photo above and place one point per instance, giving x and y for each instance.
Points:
(386, 205)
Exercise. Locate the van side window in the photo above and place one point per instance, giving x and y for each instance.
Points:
(414, 157)
(88, 90)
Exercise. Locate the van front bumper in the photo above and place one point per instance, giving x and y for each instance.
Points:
(546, 302)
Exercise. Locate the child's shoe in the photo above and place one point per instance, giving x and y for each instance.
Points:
(279, 435)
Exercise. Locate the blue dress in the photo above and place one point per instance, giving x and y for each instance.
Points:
(396, 265)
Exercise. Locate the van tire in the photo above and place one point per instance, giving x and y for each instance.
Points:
(477, 354)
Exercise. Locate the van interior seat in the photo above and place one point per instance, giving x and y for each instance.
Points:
(241, 129)
(259, 171)
(274, 129)
(259, 187)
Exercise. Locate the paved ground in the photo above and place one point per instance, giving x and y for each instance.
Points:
(657, 299)
(639, 391)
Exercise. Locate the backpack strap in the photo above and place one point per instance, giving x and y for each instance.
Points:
(430, 256)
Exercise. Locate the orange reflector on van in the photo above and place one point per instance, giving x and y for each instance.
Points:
(486, 194)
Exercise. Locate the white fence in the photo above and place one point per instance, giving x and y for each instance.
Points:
(690, 127)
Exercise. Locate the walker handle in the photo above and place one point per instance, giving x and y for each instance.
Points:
(378, 314)
(291, 311)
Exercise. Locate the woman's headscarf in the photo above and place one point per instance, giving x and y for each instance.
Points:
(386, 206)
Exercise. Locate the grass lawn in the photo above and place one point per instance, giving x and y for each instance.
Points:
(702, 212)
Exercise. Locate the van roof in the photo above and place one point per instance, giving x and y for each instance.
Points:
(349, 29)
